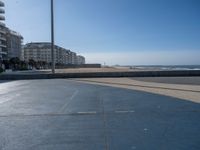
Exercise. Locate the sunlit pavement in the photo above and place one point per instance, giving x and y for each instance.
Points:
(63, 114)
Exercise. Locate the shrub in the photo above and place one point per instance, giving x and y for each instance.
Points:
(23, 68)
(1, 70)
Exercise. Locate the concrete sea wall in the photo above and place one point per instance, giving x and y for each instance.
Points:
(100, 75)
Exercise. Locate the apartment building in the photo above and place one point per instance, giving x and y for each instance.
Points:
(14, 44)
(10, 41)
(3, 50)
(42, 52)
(72, 58)
(67, 56)
(80, 60)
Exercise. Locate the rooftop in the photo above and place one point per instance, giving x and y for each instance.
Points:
(42, 45)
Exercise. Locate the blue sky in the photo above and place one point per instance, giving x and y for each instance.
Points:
(126, 32)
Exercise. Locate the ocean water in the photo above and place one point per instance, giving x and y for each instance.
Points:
(171, 67)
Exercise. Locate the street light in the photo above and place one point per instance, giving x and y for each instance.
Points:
(52, 38)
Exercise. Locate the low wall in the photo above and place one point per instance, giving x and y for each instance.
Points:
(100, 75)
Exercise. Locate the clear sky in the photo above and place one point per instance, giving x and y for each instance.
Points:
(125, 32)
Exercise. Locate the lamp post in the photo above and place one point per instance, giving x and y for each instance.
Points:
(52, 38)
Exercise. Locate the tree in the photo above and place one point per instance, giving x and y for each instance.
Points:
(6, 63)
(14, 62)
(32, 63)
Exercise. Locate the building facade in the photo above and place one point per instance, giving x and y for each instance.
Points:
(3, 50)
(37, 52)
(67, 56)
(42, 52)
(80, 60)
(14, 44)
(72, 58)
(10, 41)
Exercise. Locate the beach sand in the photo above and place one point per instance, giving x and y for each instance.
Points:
(83, 70)
(183, 91)
(103, 69)
(171, 80)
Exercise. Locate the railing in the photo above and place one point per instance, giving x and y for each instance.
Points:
(1, 45)
(2, 31)
(2, 38)
(4, 53)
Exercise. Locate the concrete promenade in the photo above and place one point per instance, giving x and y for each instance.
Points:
(66, 114)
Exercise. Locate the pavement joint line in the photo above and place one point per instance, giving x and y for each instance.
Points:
(104, 124)
(145, 86)
(89, 112)
(50, 114)
(125, 111)
(67, 103)
(77, 114)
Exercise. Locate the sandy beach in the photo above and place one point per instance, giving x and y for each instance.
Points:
(103, 69)
(106, 69)
(180, 90)
(171, 80)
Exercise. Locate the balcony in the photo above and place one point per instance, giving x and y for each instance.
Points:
(2, 31)
(2, 4)
(2, 45)
(4, 53)
(2, 17)
(2, 11)
(2, 38)
(2, 24)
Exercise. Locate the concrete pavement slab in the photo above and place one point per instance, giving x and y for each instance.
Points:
(62, 114)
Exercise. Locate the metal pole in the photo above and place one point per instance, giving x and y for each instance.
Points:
(52, 38)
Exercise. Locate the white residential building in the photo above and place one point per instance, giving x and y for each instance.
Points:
(42, 52)
(3, 50)
(80, 60)
(14, 44)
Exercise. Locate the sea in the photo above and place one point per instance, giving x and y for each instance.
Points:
(167, 67)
